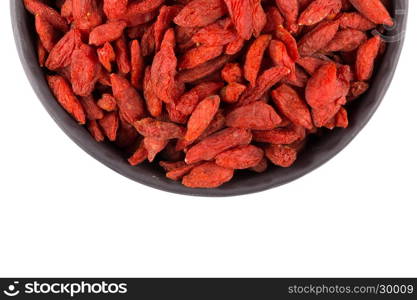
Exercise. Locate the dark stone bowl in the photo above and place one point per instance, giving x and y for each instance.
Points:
(318, 151)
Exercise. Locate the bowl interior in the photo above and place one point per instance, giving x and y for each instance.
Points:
(319, 149)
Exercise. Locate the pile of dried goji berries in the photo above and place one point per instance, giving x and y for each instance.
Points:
(210, 86)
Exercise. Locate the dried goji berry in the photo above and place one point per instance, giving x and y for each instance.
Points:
(267, 80)
(345, 74)
(148, 41)
(60, 55)
(65, 96)
(232, 92)
(198, 56)
(95, 130)
(153, 103)
(274, 19)
(164, 69)
(165, 17)
(366, 56)
(139, 156)
(129, 102)
(207, 175)
(339, 120)
(42, 53)
(289, 42)
(188, 102)
(92, 110)
(318, 10)
(257, 115)
(279, 136)
(201, 117)
(258, 17)
(239, 158)
(342, 118)
(214, 35)
(84, 70)
(137, 64)
(107, 102)
(108, 32)
(357, 89)
(153, 146)
(37, 7)
(234, 47)
(115, 9)
(145, 6)
(279, 55)
(232, 72)
(86, 14)
(310, 63)
(254, 58)
(110, 124)
(346, 40)
(323, 114)
(46, 32)
(241, 14)
(200, 13)
(318, 38)
(122, 56)
(280, 155)
(178, 173)
(290, 10)
(217, 143)
(300, 79)
(134, 19)
(261, 167)
(322, 87)
(149, 127)
(216, 124)
(174, 114)
(185, 34)
(374, 10)
(172, 165)
(106, 56)
(66, 10)
(292, 106)
(203, 70)
(354, 20)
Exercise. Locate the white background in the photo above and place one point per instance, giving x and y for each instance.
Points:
(64, 214)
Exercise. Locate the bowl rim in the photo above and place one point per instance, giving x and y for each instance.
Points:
(144, 174)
